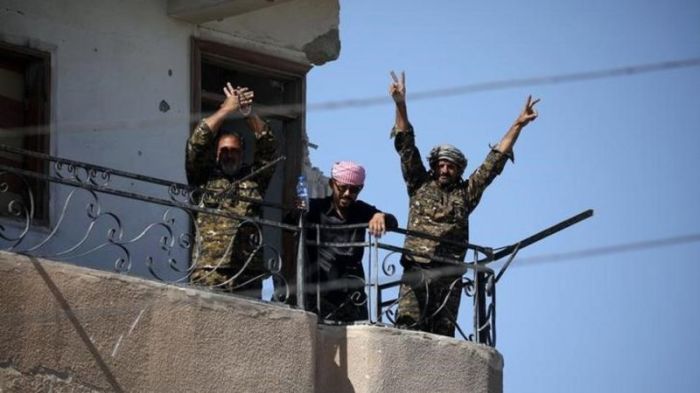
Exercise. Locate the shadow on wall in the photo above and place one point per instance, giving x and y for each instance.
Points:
(332, 363)
(79, 329)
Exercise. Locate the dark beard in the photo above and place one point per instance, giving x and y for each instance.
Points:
(229, 168)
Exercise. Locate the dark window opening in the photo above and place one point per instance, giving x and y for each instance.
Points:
(24, 124)
(279, 87)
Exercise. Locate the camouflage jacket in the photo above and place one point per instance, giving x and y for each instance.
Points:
(220, 241)
(441, 212)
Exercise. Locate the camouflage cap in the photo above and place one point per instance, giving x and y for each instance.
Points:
(449, 153)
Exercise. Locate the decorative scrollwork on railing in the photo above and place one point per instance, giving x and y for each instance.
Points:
(428, 299)
(180, 193)
(82, 227)
(82, 174)
(20, 208)
(194, 196)
(345, 300)
(389, 268)
(161, 236)
(487, 329)
(183, 193)
(468, 287)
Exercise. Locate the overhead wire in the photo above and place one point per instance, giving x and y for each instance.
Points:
(514, 83)
(615, 72)
(609, 250)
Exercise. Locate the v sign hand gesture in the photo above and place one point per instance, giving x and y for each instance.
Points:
(529, 113)
(526, 116)
(398, 88)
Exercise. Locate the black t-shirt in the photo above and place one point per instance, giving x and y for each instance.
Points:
(339, 261)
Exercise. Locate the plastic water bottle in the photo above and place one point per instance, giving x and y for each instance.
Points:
(303, 193)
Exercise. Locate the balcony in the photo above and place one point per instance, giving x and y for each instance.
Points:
(127, 318)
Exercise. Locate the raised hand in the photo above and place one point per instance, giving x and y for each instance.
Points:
(529, 113)
(397, 89)
(245, 98)
(239, 98)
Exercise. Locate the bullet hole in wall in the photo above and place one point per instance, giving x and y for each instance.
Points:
(164, 106)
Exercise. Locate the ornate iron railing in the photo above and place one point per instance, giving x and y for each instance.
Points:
(94, 208)
(98, 213)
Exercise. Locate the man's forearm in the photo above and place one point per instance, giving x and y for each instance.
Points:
(526, 116)
(255, 123)
(401, 122)
(391, 221)
(506, 144)
(217, 119)
(265, 149)
(198, 153)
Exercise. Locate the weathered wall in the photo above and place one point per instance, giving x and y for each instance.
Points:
(379, 359)
(112, 63)
(62, 325)
(120, 93)
(306, 26)
(65, 328)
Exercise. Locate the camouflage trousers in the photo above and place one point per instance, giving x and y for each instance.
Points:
(225, 261)
(429, 297)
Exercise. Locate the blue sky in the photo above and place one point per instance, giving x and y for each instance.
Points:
(625, 147)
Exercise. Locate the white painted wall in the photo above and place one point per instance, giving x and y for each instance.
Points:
(114, 62)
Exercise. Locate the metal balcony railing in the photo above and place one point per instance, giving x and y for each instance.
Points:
(146, 226)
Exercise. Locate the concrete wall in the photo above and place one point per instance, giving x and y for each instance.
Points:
(380, 359)
(63, 326)
(70, 329)
(318, 40)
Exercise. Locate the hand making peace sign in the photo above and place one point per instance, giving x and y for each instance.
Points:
(529, 113)
(398, 88)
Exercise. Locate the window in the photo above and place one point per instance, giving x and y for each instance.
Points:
(24, 122)
(279, 87)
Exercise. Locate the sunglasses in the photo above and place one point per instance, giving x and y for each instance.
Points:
(342, 188)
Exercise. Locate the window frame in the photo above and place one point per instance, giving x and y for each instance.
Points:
(263, 65)
(39, 141)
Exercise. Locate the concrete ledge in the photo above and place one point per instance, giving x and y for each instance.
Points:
(379, 359)
(65, 328)
(66, 325)
(199, 11)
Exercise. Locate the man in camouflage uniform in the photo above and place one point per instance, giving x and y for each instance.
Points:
(440, 204)
(226, 253)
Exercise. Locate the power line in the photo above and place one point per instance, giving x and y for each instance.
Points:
(137, 124)
(608, 250)
(513, 83)
(385, 100)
